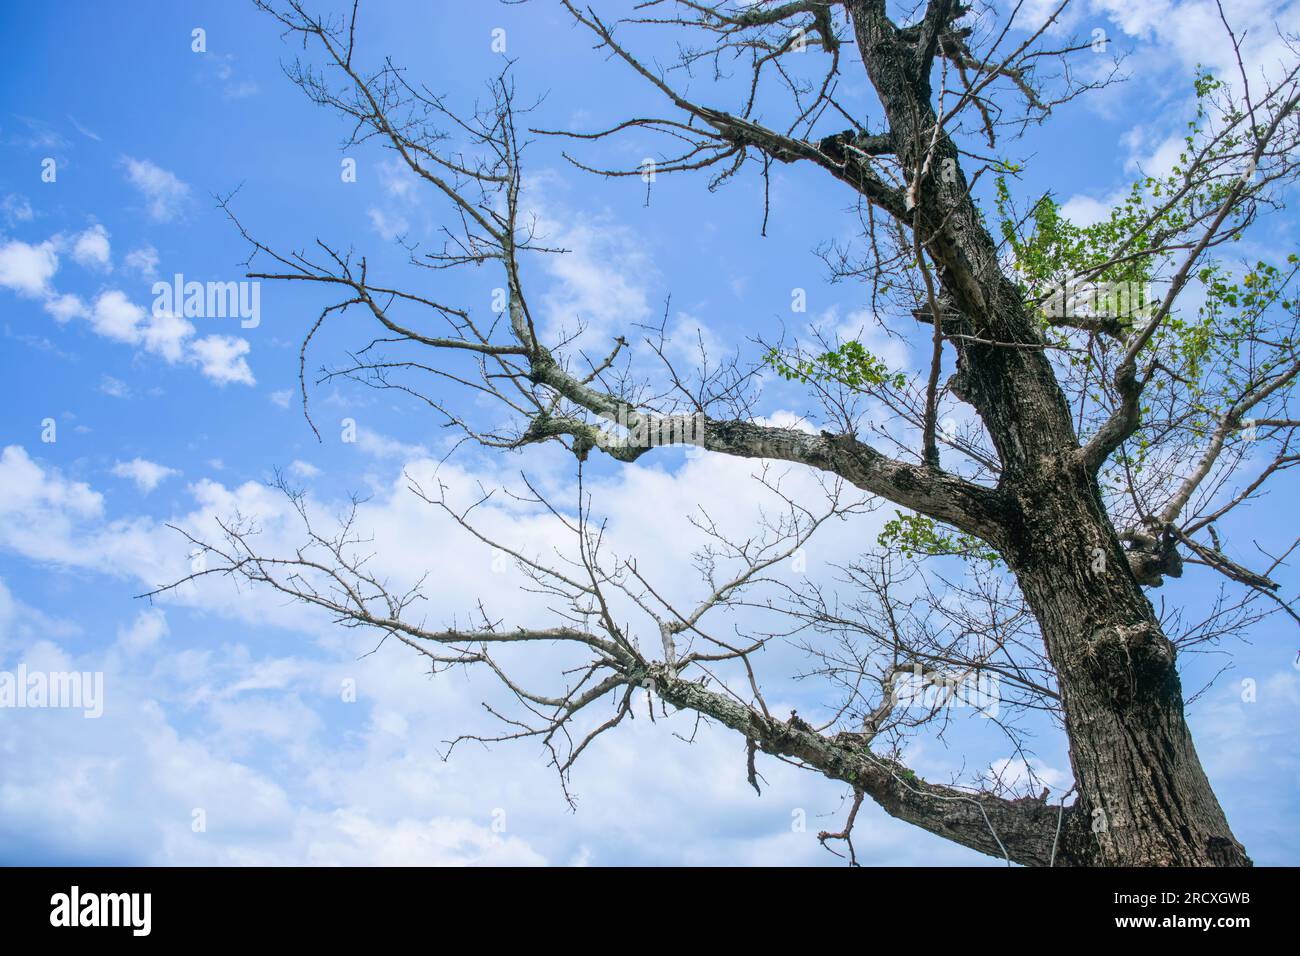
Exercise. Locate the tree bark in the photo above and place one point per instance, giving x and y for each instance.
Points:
(1144, 798)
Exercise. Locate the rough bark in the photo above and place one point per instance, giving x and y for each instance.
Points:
(1145, 800)
(1021, 831)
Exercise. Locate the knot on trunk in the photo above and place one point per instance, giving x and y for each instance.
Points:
(798, 723)
(1130, 663)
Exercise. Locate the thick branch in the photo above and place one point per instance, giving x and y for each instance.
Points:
(1022, 831)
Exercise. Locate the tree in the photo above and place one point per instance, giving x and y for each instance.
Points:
(1116, 426)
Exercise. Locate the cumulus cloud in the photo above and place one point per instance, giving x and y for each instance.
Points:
(166, 196)
(601, 281)
(382, 446)
(1192, 31)
(361, 783)
(91, 248)
(117, 317)
(42, 511)
(27, 269)
(1170, 39)
(147, 475)
(222, 358)
(165, 334)
(66, 307)
(1085, 210)
(168, 335)
(371, 790)
(348, 837)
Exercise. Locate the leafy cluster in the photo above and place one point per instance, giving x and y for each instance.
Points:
(914, 534)
(850, 365)
(1203, 357)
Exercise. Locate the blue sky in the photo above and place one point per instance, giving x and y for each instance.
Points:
(229, 702)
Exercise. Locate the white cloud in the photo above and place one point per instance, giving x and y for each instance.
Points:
(1086, 211)
(114, 387)
(373, 789)
(148, 628)
(22, 625)
(117, 317)
(167, 334)
(166, 195)
(16, 209)
(144, 261)
(1167, 40)
(381, 446)
(66, 307)
(601, 281)
(49, 517)
(304, 469)
(1018, 775)
(1148, 155)
(231, 88)
(348, 838)
(222, 359)
(40, 510)
(147, 475)
(860, 326)
(1193, 32)
(397, 179)
(92, 250)
(27, 269)
(1152, 151)
(281, 397)
(39, 135)
(388, 226)
(89, 134)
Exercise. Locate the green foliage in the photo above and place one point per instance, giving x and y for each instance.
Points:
(850, 365)
(1047, 248)
(1231, 329)
(1203, 354)
(1055, 248)
(914, 534)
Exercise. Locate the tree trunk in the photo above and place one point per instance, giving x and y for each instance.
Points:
(1144, 799)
